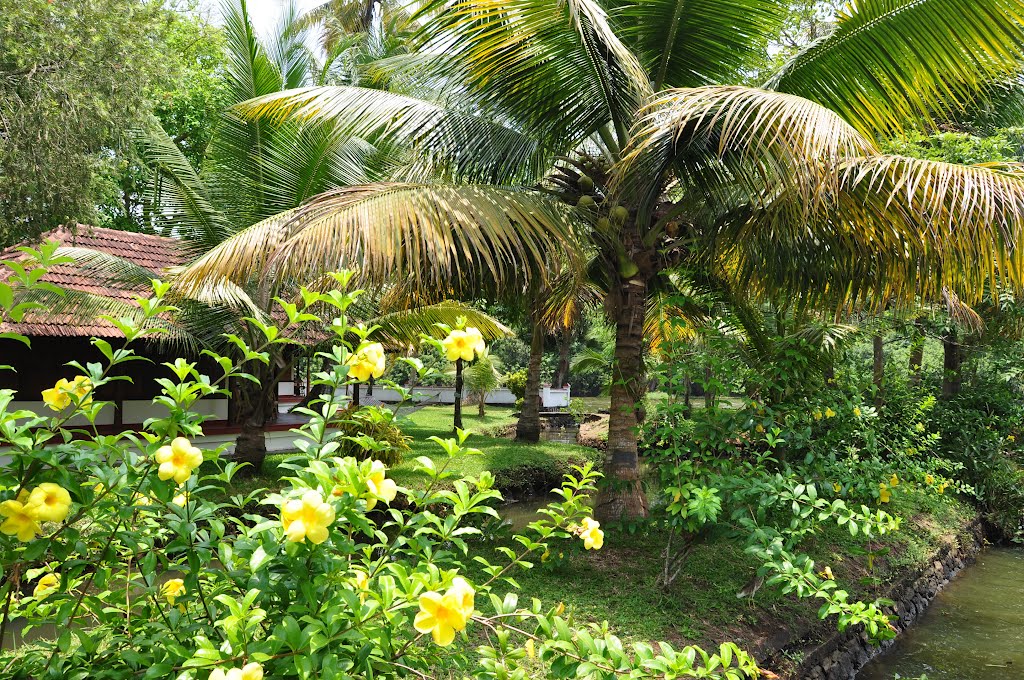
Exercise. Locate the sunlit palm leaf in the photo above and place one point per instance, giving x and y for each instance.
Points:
(400, 329)
(710, 136)
(555, 68)
(891, 61)
(431, 234)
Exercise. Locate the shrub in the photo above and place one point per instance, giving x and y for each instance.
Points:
(516, 382)
(375, 423)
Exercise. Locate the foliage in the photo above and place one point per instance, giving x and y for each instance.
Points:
(75, 77)
(483, 376)
(377, 423)
(328, 589)
(516, 382)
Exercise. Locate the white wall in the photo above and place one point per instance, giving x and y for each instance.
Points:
(550, 397)
(135, 411)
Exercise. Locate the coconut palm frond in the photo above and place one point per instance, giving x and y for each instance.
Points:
(892, 61)
(556, 68)
(772, 137)
(186, 207)
(689, 43)
(432, 234)
(400, 329)
(106, 269)
(468, 146)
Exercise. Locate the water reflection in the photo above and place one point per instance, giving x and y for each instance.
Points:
(973, 630)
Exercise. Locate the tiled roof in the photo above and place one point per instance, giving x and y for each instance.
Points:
(155, 253)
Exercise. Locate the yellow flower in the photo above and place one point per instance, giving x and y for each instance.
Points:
(250, 671)
(884, 494)
(465, 593)
(829, 413)
(58, 397)
(856, 411)
(46, 585)
(380, 487)
(307, 517)
(837, 487)
(1010, 438)
(531, 651)
(49, 502)
(441, 616)
(590, 532)
(141, 499)
(894, 480)
(827, 574)
(360, 580)
(366, 361)
(760, 427)
(929, 479)
(817, 414)
(942, 487)
(178, 460)
(20, 521)
(463, 345)
(172, 589)
(181, 499)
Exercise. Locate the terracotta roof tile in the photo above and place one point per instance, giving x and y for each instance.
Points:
(156, 253)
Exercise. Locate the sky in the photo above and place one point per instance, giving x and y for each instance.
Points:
(264, 13)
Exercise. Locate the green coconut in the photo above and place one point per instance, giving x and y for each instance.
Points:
(586, 202)
(585, 183)
(619, 215)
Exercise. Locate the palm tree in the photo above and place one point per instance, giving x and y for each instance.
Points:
(784, 182)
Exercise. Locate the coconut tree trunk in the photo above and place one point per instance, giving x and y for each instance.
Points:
(528, 428)
(458, 393)
(916, 362)
(564, 348)
(481, 410)
(878, 369)
(622, 495)
(952, 360)
(256, 409)
(709, 392)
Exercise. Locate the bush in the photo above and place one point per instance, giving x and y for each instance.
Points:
(516, 382)
(376, 423)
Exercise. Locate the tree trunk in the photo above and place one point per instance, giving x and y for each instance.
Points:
(528, 428)
(482, 405)
(952, 360)
(709, 392)
(622, 496)
(564, 348)
(355, 394)
(257, 407)
(458, 393)
(916, 353)
(878, 370)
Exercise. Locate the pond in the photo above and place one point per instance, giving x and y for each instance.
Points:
(973, 630)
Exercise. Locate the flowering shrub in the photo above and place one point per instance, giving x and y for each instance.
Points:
(126, 546)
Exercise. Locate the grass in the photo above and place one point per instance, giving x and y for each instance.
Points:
(618, 583)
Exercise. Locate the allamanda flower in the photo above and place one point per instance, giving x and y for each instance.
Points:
(307, 517)
(172, 589)
(366, 362)
(45, 585)
(380, 487)
(463, 345)
(590, 532)
(465, 593)
(19, 522)
(250, 671)
(49, 502)
(178, 460)
(829, 413)
(442, 615)
(58, 397)
(884, 495)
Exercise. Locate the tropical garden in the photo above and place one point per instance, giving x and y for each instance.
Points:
(770, 248)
